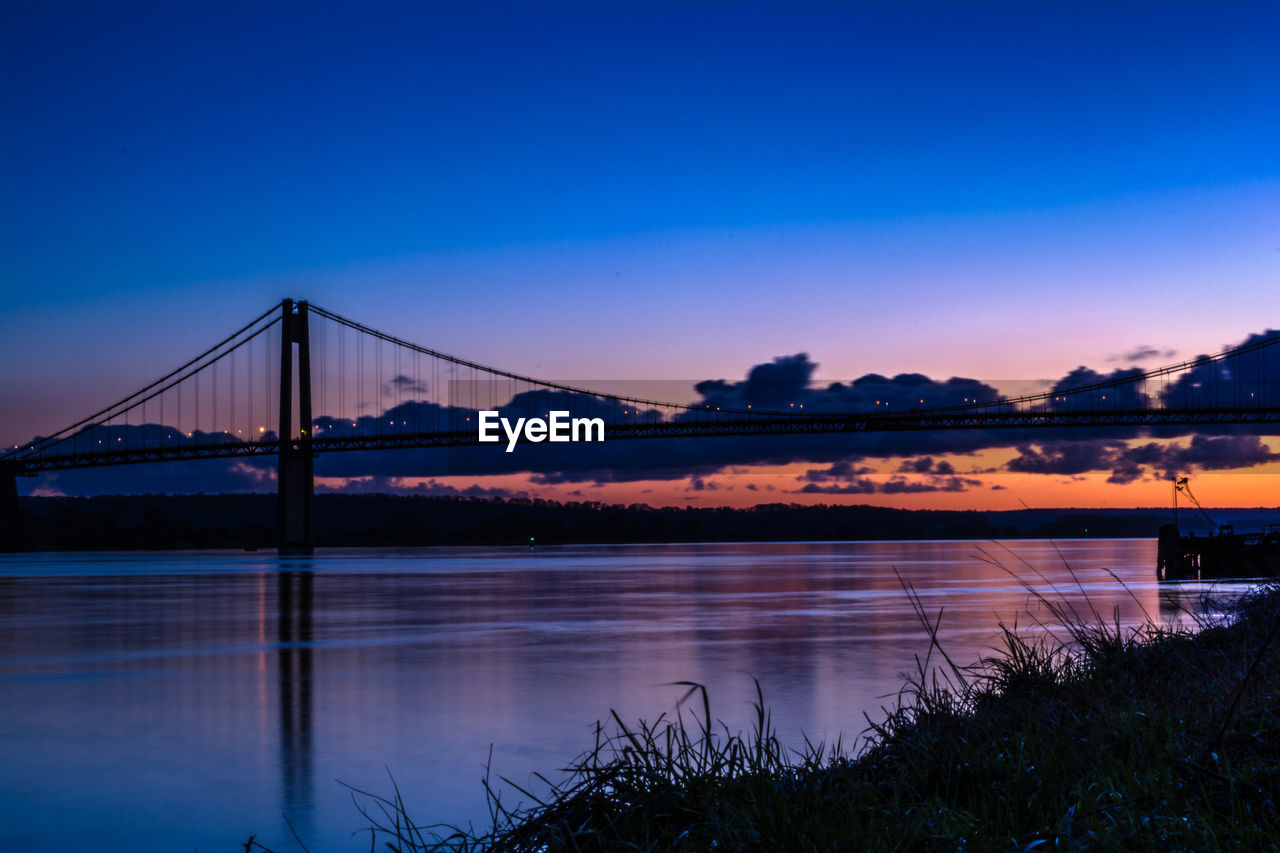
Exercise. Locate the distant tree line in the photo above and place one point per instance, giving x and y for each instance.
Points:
(248, 520)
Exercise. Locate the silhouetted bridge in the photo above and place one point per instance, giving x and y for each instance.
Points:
(254, 394)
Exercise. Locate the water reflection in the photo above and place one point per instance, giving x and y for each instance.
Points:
(294, 604)
(202, 695)
(1194, 602)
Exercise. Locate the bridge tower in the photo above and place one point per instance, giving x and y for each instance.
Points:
(9, 520)
(295, 477)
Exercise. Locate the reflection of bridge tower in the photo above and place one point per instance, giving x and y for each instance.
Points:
(295, 484)
(293, 650)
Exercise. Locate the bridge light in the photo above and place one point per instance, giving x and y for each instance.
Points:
(262, 429)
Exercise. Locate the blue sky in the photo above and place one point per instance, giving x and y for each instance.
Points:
(660, 190)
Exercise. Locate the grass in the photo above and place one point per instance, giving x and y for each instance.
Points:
(1113, 738)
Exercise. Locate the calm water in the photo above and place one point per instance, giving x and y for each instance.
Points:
(182, 701)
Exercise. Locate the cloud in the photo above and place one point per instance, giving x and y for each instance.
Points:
(896, 485)
(1209, 453)
(841, 470)
(208, 476)
(1131, 396)
(1144, 352)
(900, 486)
(430, 488)
(698, 484)
(1067, 457)
(1258, 369)
(402, 385)
(1129, 463)
(860, 486)
(926, 465)
(785, 384)
(843, 478)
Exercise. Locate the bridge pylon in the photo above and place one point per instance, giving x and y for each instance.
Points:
(9, 518)
(295, 475)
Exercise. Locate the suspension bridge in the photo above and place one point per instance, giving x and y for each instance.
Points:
(299, 380)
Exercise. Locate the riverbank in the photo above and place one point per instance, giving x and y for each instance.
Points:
(1125, 739)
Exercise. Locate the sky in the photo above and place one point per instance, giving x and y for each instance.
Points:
(595, 191)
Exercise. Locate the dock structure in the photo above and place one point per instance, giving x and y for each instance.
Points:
(1217, 556)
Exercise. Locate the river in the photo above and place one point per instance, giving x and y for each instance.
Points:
(181, 701)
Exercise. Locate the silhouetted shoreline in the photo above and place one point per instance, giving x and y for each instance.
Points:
(169, 522)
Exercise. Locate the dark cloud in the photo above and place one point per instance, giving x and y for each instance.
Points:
(842, 478)
(1125, 470)
(1129, 463)
(698, 484)
(1247, 377)
(860, 486)
(842, 470)
(896, 485)
(916, 466)
(1131, 396)
(1209, 453)
(926, 465)
(900, 486)
(431, 488)
(208, 476)
(780, 384)
(1067, 457)
(404, 385)
(785, 384)
(1144, 352)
